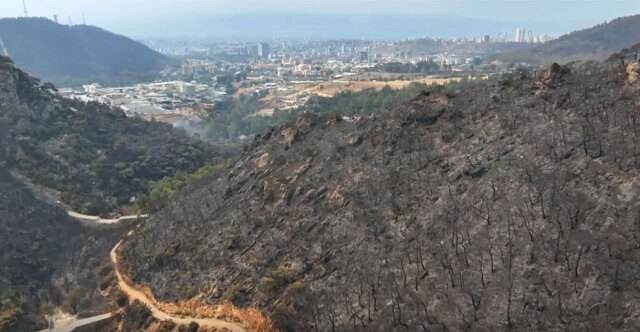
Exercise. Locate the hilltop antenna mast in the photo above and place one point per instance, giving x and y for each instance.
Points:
(83, 20)
(24, 5)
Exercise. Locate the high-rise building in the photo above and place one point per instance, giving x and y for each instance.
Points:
(263, 50)
(251, 50)
(520, 35)
(364, 56)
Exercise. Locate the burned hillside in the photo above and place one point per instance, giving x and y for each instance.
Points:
(506, 203)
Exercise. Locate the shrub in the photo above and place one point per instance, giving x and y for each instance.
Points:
(166, 326)
(9, 315)
(193, 327)
(230, 294)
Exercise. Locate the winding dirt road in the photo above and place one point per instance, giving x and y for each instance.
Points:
(135, 294)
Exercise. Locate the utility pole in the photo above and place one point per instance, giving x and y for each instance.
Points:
(24, 5)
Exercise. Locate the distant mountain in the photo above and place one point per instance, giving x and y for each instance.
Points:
(595, 43)
(72, 55)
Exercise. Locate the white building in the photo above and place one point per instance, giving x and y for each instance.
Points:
(187, 88)
(520, 35)
(91, 88)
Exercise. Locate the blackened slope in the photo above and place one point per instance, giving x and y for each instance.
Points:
(77, 54)
(94, 155)
(511, 203)
(35, 240)
(595, 43)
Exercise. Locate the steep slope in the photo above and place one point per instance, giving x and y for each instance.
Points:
(595, 43)
(45, 257)
(510, 203)
(93, 157)
(72, 55)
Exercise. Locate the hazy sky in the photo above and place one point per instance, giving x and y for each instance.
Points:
(176, 17)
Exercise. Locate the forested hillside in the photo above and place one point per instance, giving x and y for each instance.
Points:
(93, 157)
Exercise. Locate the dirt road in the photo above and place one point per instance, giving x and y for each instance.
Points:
(135, 294)
(99, 220)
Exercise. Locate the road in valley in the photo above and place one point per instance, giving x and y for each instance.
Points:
(67, 323)
(70, 323)
(135, 294)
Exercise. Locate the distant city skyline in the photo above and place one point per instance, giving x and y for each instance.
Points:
(307, 18)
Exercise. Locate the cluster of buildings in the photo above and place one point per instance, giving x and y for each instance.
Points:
(171, 101)
(305, 59)
(287, 70)
(324, 59)
(196, 66)
(524, 36)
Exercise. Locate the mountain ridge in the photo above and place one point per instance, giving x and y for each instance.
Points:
(79, 54)
(594, 43)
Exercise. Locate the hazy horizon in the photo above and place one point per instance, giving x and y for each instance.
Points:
(382, 19)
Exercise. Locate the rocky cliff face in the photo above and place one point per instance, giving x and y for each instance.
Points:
(510, 203)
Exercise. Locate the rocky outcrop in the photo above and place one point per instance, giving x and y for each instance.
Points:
(555, 75)
(425, 109)
(633, 73)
